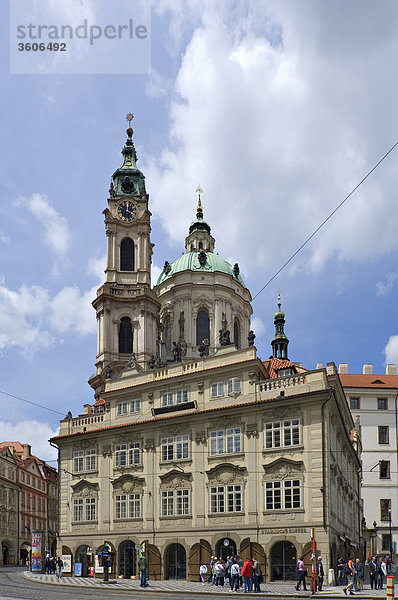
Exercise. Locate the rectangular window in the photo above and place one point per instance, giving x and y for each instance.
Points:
(120, 506)
(182, 502)
(121, 409)
(226, 498)
(175, 448)
(90, 460)
(385, 505)
(78, 461)
(167, 503)
(91, 509)
(217, 390)
(234, 385)
(225, 441)
(284, 494)
(120, 455)
(384, 469)
(135, 506)
(382, 403)
(283, 433)
(385, 542)
(383, 434)
(355, 403)
(78, 509)
(135, 406)
(173, 398)
(84, 460)
(134, 453)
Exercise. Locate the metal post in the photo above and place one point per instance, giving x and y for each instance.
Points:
(389, 522)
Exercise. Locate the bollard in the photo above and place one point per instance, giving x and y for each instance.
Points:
(390, 587)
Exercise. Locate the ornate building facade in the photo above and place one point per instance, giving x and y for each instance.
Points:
(194, 445)
(9, 498)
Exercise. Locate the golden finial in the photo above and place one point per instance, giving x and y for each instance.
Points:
(199, 191)
(279, 296)
(129, 117)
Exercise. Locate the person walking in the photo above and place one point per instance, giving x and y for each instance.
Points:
(256, 575)
(142, 565)
(301, 573)
(247, 574)
(319, 573)
(340, 571)
(360, 574)
(382, 573)
(219, 573)
(372, 573)
(203, 572)
(349, 570)
(59, 564)
(210, 577)
(235, 573)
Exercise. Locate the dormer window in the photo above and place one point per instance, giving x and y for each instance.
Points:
(285, 372)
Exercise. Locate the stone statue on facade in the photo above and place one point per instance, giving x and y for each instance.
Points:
(251, 337)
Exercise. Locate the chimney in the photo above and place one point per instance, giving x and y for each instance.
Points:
(367, 369)
(26, 451)
(391, 369)
(331, 368)
(87, 409)
(319, 365)
(343, 368)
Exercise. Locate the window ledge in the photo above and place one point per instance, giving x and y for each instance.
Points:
(281, 511)
(128, 467)
(283, 448)
(213, 457)
(176, 460)
(127, 519)
(240, 513)
(85, 522)
(165, 517)
(174, 408)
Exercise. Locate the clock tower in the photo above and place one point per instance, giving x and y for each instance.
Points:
(126, 306)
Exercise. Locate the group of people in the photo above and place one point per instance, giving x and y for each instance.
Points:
(233, 572)
(350, 574)
(54, 566)
(302, 572)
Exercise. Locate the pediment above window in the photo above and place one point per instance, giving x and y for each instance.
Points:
(283, 468)
(127, 483)
(85, 488)
(176, 479)
(226, 473)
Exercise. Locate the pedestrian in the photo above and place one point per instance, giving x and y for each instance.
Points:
(382, 572)
(59, 565)
(247, 574)
(228, 565)
(372, 573)
(210, 577)
(319, 573)
(240, 562)
(203, 572)
(349, 571)
(213, 571)
(301, 573)
(142, 565)
(219, 572)
(340, 571)
(378, 573)
(360, 573)
(256, 575)
(235, 573)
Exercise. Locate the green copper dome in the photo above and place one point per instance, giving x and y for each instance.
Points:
(190, 262)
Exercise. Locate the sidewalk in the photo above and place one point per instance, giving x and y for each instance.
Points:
(182, 586)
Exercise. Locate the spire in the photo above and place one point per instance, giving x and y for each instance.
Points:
(280, 342)
(199, 237)
(128, 179)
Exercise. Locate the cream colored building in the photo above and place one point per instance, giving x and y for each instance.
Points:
(194, 445)
(9, 508)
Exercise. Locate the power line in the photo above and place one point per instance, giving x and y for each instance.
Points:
(33, 403)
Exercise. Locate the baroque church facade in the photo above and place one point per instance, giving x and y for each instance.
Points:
(194, 445)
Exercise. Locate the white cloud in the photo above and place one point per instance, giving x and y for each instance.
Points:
(96, 266)
(276, 126)
(384, 287)
(71, 310)
(155, 272)
(4, 238)
(257, 326)
(56, 229)
(34, 433)
(391, 350)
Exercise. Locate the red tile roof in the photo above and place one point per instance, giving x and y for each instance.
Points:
(99, 402)
(368, 381)
(274, 364)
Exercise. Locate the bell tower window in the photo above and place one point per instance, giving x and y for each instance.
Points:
(127, 255)
(202, 327)
(237, 334)
(167, 333)
(125, 336)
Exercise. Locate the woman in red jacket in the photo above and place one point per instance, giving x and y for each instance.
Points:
(247, 574)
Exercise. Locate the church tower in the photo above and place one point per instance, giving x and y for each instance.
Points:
(280, 342)
(126, 306)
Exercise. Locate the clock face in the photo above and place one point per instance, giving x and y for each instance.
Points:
(127, 211)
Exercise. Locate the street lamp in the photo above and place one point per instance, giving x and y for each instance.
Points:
(389, 522)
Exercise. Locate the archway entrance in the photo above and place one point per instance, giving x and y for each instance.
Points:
(85, 556)
(24, 553)
(283, 561)
(6, 554)
(127, 559)
(225, 547)
(176, 562)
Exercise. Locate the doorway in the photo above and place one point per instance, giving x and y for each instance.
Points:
(127, 559)
(176, 562)
(283, 562)
(225, 547)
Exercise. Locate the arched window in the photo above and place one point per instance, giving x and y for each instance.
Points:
(127, 255)
(167, 333)
(202, 327)
(125, 336)
(236, 334)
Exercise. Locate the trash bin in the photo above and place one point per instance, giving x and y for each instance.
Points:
(91, 571)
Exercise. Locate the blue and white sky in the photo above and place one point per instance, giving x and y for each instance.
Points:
(277, 108)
